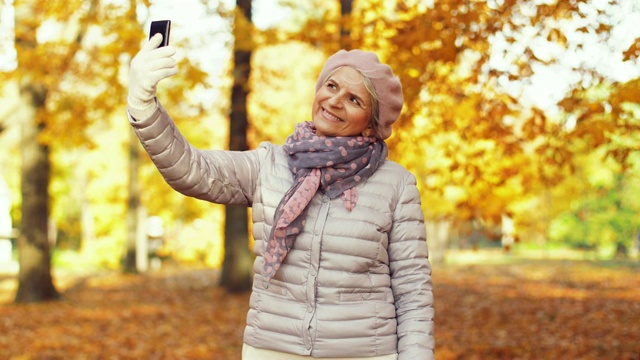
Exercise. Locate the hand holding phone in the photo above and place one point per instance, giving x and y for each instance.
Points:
(162, 27)
(151, 64)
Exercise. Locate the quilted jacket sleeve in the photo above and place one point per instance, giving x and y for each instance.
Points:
(224, 177)
(411, 276)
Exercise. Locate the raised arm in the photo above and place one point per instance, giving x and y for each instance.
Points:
(217, 176)
(224, 177)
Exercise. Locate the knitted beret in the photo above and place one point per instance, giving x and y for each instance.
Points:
(387, 85)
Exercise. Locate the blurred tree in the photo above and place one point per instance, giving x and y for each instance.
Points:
(604, 122)
(604, 216)
(69, 75)
(37, 84)
(483, 149)
(476, 147)
(346, 7)
(605, 116)
(318, 23)
(238, 260)
(134, 210)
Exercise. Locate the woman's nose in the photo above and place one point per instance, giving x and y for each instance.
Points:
(334, 100)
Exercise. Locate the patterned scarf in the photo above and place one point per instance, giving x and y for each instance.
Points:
(333, 165)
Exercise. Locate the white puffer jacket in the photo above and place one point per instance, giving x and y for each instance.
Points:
(356, 284)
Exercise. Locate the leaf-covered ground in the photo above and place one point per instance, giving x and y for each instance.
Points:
(532, 310)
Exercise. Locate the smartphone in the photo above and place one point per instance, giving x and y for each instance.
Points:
(163, 27)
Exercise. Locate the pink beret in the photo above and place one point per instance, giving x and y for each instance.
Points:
(387, 85)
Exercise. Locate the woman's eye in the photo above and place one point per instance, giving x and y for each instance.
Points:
(354, 100)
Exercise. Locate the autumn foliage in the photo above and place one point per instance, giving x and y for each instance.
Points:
(528, 310)
(172, 315)
(569, 173)
(477, 147)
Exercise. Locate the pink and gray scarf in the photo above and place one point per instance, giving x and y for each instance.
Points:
(333, 165)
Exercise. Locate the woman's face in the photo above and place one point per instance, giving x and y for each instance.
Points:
(342, 106)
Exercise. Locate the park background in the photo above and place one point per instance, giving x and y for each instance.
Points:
(521, 124)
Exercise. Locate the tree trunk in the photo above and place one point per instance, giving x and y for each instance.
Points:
(133, 205)
(128, 261)
(34, 280)
(345, 24)
(237, 267)
(238, 261)
(622, 251)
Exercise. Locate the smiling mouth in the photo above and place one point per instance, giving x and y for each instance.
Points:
(330, 116)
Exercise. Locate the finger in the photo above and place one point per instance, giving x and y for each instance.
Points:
(162, 63)
(162, 52)
(153, 42)
(163, 74)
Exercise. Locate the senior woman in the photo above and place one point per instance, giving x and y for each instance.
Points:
(341, 268)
